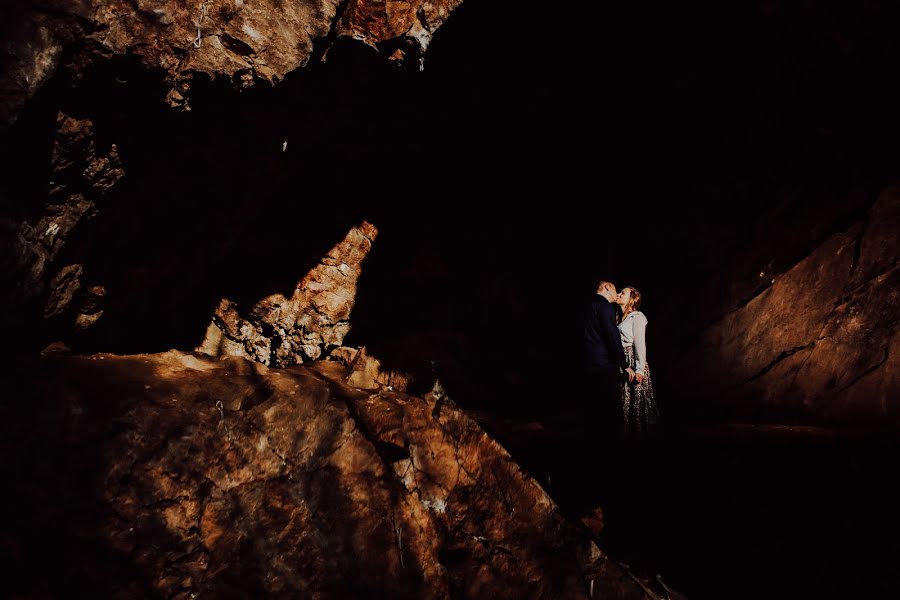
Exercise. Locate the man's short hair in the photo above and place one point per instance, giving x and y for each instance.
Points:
(602, 283)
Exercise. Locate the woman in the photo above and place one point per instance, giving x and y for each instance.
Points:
(638, 402)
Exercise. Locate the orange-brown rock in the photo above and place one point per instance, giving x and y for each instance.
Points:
(820, 343)
(246, 41)
(366, 371)
(202, 477)
(281, 330)
(375, 21)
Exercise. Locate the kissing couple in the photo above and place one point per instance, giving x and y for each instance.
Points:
(615, 351)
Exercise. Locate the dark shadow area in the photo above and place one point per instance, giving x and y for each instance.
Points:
(53, 443)
(758, 512)
(651, 152)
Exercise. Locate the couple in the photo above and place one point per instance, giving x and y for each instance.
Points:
(616, 361)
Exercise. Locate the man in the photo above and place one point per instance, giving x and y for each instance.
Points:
(605, 359)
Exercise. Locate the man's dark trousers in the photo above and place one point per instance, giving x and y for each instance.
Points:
(604, 397)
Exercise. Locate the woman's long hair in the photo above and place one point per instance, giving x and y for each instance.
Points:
(634, 302)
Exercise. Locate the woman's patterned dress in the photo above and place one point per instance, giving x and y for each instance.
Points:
(638, 402)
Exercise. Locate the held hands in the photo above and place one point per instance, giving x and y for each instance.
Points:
(632, 376)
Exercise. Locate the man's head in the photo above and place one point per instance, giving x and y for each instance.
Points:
(607, 290)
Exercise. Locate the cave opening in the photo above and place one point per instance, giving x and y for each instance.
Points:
(697, 153)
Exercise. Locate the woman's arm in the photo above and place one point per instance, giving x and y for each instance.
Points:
(640, 342)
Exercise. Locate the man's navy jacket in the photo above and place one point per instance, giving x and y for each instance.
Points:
(602, 342)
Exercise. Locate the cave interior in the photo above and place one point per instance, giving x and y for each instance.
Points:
(646, 145)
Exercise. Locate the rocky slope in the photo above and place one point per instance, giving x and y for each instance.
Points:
(815, 339)
(179, 475)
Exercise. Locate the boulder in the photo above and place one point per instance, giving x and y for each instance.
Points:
(202, 477)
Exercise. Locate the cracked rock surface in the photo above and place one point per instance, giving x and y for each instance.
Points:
(246, 41)
(280, 330)
(820, 342)
(224, 477)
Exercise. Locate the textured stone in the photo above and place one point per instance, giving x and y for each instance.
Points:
(82, 175)
(783, 237)
(344, 355)
(223, 477)
(376, 21)
(33, 44)
(366, 372)
(89, 310)
(880, 246)
(63, 288)
(55, 349)
(246, 41)
(818, 344)
(283, 331)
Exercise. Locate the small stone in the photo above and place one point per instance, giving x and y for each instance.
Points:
(55, 349)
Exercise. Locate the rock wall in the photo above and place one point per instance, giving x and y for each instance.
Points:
(817, 341)
(195, 476)
(82, 174)
(247, 41)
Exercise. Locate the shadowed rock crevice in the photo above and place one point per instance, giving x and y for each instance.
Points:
(775, 361)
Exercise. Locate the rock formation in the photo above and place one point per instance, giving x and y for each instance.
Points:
(174, 43)
(284, 331)
(196, 476)
(82, 175)
(818, 340)
(245, 41)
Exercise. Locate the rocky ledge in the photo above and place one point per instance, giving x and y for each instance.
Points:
(180, 475)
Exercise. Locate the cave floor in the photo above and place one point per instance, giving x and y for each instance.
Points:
(731, 511)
